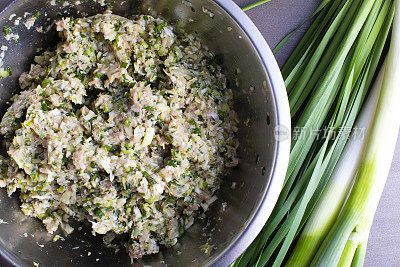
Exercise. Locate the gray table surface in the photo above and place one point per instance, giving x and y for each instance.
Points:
(275, 20)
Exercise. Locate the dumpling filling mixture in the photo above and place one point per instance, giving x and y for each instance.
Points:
(124, 124)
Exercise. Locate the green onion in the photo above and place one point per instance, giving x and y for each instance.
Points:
(349, 234)
(173, 163)
(148, 108)
(45, 83)
(128, 122)
(327, 78)
(255, 5)
(5, 73)
(110, 208)
(196, 131)
(335, 193)
(159, 27)
(41, 193)
(60, 189)
(9, 70)
(99, 212)
(6, 30)
(169, 137)
(196, 85)
(94, 165)
(46, 105)
(110, 148)
(150, 179)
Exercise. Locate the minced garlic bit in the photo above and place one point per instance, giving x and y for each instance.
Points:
(126, 125)
(57, 237)
(31, 21)
(17, 21)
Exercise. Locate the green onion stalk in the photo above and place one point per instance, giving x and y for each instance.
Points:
(350, 232)
(327, 77)
(259, 3)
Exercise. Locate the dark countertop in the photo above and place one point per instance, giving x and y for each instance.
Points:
(275, 20)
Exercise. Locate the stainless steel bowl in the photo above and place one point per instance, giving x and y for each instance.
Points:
(263, 133)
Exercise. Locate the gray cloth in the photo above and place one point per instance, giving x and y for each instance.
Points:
(275, 20)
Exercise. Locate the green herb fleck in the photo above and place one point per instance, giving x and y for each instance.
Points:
(45, 83)
(149, 178)
(160, 26)
(118, 26)
(196, 131)
(148, 108)
(6, 30)
(173, 163)
(41, 193)
(99, 212)
(9, 70)
(110, 148)
(46, 105)
(94, 165)
(169, 137)
(128, 122)
(222, 114)
(5, 73)
(181, 230)
(60, 189)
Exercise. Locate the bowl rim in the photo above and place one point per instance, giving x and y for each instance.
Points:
(282, 152)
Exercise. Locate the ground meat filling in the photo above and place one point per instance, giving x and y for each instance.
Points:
(125, 124)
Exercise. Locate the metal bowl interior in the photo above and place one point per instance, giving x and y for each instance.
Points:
(248, 62)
